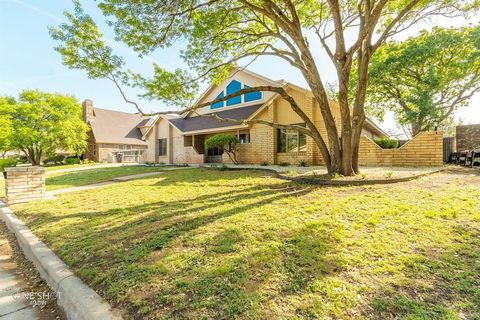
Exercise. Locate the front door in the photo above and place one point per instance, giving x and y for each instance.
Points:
(214, 155)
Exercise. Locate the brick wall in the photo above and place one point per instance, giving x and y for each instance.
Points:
(24, 184)
(425, 149)
(468, 137)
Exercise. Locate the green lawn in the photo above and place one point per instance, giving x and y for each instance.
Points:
(71, 166)
(238, 244)
(63, 180)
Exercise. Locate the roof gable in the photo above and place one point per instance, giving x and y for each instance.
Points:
(237, 80)
(110, 126)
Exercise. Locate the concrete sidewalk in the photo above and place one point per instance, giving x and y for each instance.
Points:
(11, 285)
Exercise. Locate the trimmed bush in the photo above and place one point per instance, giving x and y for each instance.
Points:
(72, 160)
(227, 142)
(7, 163)
(56, 159)
(303, 163)
(387, 143)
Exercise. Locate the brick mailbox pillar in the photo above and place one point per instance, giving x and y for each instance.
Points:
(23, 184)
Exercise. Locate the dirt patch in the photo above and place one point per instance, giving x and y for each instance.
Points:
(32, 281)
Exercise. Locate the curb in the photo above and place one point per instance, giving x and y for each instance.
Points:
(326, 182)
(361, 182)
(75, 298)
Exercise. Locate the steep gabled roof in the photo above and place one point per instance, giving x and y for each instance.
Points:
(110, 126)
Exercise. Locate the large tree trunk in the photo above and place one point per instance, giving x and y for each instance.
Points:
(332, 156)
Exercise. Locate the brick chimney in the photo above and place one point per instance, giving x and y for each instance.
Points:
(88, 110)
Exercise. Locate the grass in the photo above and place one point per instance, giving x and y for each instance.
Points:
(70, 166)
(63, 180)
(237, 244)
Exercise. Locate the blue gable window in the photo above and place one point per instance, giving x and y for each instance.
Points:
(233, 87)
(218, 104)
(252, 96)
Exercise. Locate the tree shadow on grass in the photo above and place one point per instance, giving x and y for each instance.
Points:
(441, 284)
(111, 249)
(226, 281)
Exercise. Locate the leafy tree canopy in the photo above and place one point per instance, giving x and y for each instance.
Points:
(426, 78)
(44, 122)
(218, 34)
(6, 126)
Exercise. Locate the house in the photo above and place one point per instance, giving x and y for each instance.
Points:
(180, 139)
(115, 136)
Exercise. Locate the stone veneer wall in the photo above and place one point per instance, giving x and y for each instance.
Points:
(468, 137)
(24, 184)
(425, 149)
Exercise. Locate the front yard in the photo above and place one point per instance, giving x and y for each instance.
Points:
(55, 181)
(201, 243)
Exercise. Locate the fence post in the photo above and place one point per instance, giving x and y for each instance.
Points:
(23, 184)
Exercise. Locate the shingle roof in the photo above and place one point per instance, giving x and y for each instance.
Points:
(110, 126)
(202, 123)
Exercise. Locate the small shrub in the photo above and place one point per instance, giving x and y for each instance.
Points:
(264, 163)
(87, 161)
(387, 143)
(72, 160)
(335, 175)
(22, 159)
(7, 163)
(389, 174)
(284, 164)
(56, 159)
(363, 175)
(303, 163)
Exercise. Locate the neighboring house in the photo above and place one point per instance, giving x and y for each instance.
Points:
(180, 139)
(115, 136)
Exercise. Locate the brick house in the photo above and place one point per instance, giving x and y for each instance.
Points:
(180, 139)
(114, 136)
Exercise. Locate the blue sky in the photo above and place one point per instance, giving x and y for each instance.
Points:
(29, 60)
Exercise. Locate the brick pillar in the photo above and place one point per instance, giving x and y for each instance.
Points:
(24, 184)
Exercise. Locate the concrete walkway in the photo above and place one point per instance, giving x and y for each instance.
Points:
(52, 194)
(12, 306)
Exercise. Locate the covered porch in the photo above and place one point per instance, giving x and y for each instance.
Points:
(214, 155)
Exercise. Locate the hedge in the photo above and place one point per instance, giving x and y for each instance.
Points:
(387, 143)
(7, 163)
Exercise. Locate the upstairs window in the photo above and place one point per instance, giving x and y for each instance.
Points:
(291, 141)
(233, 87)
(219, 104)
(252, 96)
